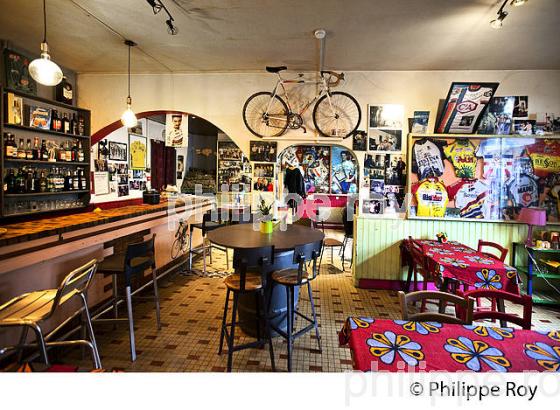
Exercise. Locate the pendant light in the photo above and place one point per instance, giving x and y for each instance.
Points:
(128, 118)
(43, 69)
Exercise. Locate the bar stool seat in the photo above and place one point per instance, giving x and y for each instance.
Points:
(252, 282)
(328, 242)
(32, 307)
(289, 277)
(115, 263)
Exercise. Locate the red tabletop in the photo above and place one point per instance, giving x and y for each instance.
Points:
(398, 345)
(457, 261)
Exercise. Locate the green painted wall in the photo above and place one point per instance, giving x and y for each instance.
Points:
(377, 254)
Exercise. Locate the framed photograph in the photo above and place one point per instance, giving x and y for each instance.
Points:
(524, 127)
(137, 129)
(176, 130)
(263, 151)
(420, 122)
(385, 140)
(138, 151)
(521, 107)
(498, 118)
(39, 117)
(15, 109)
(344, 174)
(118, 151)
(101, 183)
(17, 73)
(386, 116)
(359, 141)
(464, 107)
(137, 174)
(263, 177)
(123, 190)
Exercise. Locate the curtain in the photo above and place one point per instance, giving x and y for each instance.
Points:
(162, 165)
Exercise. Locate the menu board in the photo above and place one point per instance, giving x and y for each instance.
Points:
(483, 178)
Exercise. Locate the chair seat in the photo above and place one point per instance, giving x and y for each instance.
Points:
(288, 277)
(115, 263)
(332, 242)
(30, 307)
(253, 282)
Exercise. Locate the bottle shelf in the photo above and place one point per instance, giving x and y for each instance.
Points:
(45, 211)
(36, 161)
(28, 194)
(44, 100)
(42, 131)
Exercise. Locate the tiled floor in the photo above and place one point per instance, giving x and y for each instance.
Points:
(192, 307)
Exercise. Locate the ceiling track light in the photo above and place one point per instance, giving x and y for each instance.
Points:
(157, 6)
(517, 3)
(43, 69)
(498, 22)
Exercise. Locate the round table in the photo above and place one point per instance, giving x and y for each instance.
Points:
(245, 236)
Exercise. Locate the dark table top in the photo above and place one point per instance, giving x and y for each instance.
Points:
(245, 236)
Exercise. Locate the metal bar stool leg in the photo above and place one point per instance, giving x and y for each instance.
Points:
(156, 297)
(268, 328)
(130, 324)
(316, 325)
(96, 357)
(224, 318)
(190, 246)
(232, 333)
(115, 299)
(289, 323)
(258, 316)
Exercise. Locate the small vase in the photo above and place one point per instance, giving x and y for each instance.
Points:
(266, 226)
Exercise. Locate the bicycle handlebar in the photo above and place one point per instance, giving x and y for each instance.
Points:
(339, 77)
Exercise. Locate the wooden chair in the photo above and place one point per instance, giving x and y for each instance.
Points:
(498, 297)
(463, 307)
(501, 250)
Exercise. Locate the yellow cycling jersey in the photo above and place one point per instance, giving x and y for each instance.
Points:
(462, 156)
(431, 196)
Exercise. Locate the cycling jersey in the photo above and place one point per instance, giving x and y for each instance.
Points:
(462, 156)
(431, 197)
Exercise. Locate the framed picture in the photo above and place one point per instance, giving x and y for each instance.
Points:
(123, 190)
(176, 130)
(180, 166)
(359, 141)
(420, 122)
(464, 107)
(263, 151)
(17, 73)
(138, 151)
(386, 116)
(498, 117)
(137, 129)
(118, 151)
(521, 107)
(39, 117)
(385, 140)
(263, 177)
(344, 175)
(101, 183)
(15, 109)
(137, 174)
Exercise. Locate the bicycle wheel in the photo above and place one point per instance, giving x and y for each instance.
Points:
(176, 248)
(262, 123)
(337, 116)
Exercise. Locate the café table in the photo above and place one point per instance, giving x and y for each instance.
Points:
(243, 236)
(405, 346)
(455, 261)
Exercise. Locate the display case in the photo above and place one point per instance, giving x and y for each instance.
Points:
(482, 177)
(45, 160)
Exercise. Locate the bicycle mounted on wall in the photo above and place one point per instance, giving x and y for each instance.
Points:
(335, 114)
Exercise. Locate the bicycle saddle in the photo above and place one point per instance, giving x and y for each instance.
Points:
(276, 69)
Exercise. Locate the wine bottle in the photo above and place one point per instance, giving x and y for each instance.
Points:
(44, 151)
(68, 151)
(81, 157)
(65, 124)
(20, 183)
(43, 182)
(10, 182)
(28, 150)
(21, 150)
(81, 125)
(36, 149)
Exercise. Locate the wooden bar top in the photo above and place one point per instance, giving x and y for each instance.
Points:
(41, 228)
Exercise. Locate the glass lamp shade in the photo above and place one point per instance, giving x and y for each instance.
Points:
(45, 71)
(128, 118)
(496, 24)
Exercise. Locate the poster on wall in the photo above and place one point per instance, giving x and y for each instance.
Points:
(101, 183)
(344, 171)
(263, 151)
(386, 116)
(17, 73)
(359, 141)
(176, 130)
(498, 117)
(464, 107)
(138, 151)
(118, 151)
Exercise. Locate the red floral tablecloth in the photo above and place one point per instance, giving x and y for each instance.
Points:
(398, 345)
(457, 261)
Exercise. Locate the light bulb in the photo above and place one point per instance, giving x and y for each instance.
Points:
(518, 3)
(128, 118)
(497, 24)
(43, 70)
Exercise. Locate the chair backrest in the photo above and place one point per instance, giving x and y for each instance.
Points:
(501, 250)
(348, 223)
(303, 254)
(145, 249)
(418, 258)
(524, 300)
(75, 283)
(463, 307)
(250, 258)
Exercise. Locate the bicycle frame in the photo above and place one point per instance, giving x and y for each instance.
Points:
(325, 89)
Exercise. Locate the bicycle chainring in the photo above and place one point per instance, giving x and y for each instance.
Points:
(294, 121)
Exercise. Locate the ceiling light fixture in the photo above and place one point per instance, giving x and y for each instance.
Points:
(157, 6)
(128, 118)
(502, 14)
(518, 3)
(43, 69)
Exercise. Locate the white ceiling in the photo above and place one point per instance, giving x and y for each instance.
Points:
(246, 35)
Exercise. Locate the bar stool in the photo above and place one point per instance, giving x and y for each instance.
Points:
(133, 263)
(245, 282)
(206, 226)
(329, 242)
(30, 310)
(290, 278)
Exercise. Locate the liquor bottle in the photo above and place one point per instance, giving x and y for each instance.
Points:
(61, 153)
(36, 181)
(81, 157)
(10, 182)
(28, 150)
(43, 186)
(74, 125)
(14, 147)
(68, 151)
(68, 184)
(75, 181)
(81, 180)
(64, 92)
(50, 181)
(81, 126)
(20, 183)
(8, 147)
(31, 177)
(65, 124)
(36, 149)
(75, 151)
(44, 151)
(21, 150)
